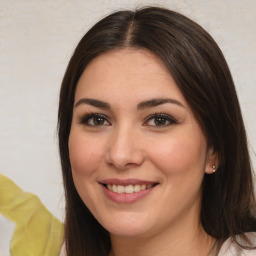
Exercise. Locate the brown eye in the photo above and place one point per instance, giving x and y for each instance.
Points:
(95, 120)
(98, 121)
(160, 120)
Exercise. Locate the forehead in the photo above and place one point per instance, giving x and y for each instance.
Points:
(128, 73)
(123, 56)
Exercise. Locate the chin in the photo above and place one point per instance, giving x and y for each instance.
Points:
(132, 232)
(127, 226)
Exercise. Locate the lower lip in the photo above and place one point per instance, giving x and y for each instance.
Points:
(125, 197)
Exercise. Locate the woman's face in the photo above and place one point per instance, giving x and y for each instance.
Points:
(137, 153)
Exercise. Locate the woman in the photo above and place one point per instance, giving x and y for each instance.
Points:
(152, 142)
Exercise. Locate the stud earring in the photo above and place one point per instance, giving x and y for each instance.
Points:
(213, 168)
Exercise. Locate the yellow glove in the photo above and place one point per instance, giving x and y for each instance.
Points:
(37, 232)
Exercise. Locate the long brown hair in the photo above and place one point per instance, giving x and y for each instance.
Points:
(200, 71)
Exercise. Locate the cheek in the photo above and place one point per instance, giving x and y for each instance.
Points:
(180, 154)
(84, 155)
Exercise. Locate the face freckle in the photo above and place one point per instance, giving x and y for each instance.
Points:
(129, 89)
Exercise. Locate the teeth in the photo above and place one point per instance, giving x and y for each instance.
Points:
(128, 189)
(114, 188)
(143, 187)
(120, 189)
(136, 188)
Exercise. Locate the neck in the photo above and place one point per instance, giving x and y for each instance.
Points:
(179, 242)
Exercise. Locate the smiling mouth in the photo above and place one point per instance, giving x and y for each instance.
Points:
(129, 189)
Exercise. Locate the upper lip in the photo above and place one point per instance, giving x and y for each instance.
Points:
(125, 182)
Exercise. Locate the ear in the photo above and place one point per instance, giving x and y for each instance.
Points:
(212, 161)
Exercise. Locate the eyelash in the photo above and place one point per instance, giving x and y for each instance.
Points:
(92, 117)
(162, 116)
(85, 120)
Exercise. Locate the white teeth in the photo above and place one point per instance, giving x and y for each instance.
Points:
(120, 189)
(143, 187)
(114, 188)
(128, 189)
(136, 188)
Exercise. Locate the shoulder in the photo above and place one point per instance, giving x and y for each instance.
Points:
(230, 248)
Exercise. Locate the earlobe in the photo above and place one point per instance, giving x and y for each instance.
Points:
(210, 169)
(212, 161)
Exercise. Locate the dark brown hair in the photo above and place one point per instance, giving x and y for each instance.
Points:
(200, 71)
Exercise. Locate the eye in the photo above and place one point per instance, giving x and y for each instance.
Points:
(94, 120)
(160, 120)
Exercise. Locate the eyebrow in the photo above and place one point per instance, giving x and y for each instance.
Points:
(93, 102)
(142, 105)
(157, 102)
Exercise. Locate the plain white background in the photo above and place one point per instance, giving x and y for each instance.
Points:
(37, 39)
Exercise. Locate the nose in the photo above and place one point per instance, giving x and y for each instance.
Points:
(124, 149)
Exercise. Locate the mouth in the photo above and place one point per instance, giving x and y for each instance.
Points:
(128, 189)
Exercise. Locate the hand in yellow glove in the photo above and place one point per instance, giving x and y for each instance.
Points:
(37, 232)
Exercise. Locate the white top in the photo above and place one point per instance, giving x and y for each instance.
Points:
(229, 247)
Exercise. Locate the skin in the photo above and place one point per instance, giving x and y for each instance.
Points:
(130, 142)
